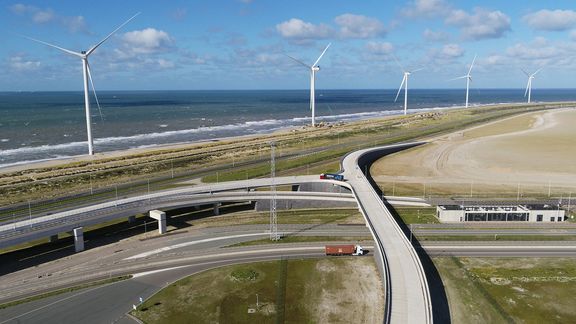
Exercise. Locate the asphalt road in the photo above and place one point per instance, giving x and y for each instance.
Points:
(193, 252)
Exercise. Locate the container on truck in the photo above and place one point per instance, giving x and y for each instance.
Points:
(347, 249)
(333, 176)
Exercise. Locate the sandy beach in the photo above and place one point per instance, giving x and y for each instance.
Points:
(533, 149)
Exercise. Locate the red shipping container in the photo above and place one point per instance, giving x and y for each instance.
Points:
(340, 249)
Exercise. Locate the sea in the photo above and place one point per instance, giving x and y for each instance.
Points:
(37, 126)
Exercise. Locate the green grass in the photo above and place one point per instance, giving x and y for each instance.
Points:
(65, 290)
(500, 290)
(417, 215)
(294, 216)
(303, 239)
(496, 237)
(288, 292)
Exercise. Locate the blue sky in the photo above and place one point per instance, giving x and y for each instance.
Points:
(240, 44)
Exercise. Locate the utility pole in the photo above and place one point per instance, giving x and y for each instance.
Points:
(273, 216)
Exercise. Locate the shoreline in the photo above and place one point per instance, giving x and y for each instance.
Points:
(147, 149)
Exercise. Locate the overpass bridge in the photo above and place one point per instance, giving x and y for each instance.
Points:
(405, 284)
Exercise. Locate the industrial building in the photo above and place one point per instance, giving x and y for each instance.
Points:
(508, 213)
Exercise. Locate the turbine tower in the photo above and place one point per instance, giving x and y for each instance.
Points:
(468, 79)
(83, 55)
(313, 69)
(529, 85)
(405, 84)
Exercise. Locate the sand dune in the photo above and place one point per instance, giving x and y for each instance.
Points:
(533, 149)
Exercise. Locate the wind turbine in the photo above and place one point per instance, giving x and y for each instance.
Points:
(405, 84)
(468, 79)
(313, 69)
(529, 85)
(83, 55)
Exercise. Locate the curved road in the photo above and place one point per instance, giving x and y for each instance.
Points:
(407, 292)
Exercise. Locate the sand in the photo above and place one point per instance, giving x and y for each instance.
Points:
(530, 149)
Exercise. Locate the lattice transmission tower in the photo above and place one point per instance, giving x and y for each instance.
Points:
(273, 216)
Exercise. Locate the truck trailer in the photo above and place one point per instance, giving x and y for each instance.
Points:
(348, 249)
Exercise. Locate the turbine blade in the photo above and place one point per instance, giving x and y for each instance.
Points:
(472, 65)
(458, 78)
(400, 89)
(533, 74)
(419, 69)
(110, 35)
(298, 61)
(398, 62)
(324, 51)
(94, 90)
(54, 46)
(527, 74)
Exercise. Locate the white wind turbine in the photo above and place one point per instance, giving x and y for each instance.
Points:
(529, 85)
(468, 79)
(405, 84)
(313, 69)
(87, 76)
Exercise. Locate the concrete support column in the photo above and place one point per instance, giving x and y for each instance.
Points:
(79, 239)
(160, 216)
(131, 219)
(217, 209)
(53, 238)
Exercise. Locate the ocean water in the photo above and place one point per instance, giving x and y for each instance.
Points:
(47, 125)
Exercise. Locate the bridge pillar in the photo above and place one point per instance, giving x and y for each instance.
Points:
(79, 239)
(131, 219)
(217, 209)
(53, 238)
(160, 216)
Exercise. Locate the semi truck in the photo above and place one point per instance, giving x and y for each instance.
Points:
(348, 249)
(333, 176)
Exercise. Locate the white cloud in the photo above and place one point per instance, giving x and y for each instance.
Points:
(379, 48)
(147, 41)
(46, 16)
(452, 51)
(435, 36)
(482, 24)
(21, 64)
(358, 26)
(551, 20)
(426, 8)
(43, 16)
(540, 48)
(298, 30)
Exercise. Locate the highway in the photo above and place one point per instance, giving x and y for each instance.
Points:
(406, 287)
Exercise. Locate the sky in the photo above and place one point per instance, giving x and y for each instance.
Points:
(243, 44)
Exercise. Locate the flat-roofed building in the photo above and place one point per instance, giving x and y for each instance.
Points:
(505, 213)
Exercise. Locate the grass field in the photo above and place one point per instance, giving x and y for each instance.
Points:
(302, 239)
(509, 290)
(294, 216)
(417, 215)
(289, 291)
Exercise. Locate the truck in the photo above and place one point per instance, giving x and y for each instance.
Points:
(347, 249)
(333, 176)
